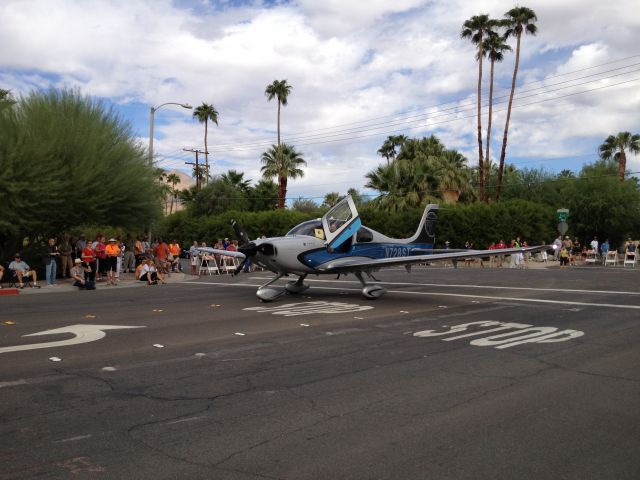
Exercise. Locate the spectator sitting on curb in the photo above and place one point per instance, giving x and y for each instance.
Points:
(78, 274)
(148, 273)
(21, 270)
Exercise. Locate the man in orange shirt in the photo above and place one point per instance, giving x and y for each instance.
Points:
(113, 252)
(174, 249)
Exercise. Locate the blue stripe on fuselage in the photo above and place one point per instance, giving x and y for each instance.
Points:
(318, 257)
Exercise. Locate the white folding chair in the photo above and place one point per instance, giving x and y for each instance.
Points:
(611, 258)
(630, 259)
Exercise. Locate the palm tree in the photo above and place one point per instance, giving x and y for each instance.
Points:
(280, 90)
(476, 28)
(199, 173)
(173, 179)
(614, 147)
(204, 113)
(387, 150)
(236, 179)
(330, 199)
(495, 47)
(283, 162)
(518, 20)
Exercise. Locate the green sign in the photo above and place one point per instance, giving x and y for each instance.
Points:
(562, 214)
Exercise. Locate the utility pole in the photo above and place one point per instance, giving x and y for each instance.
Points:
(196, 151)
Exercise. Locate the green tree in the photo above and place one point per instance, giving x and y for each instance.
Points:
(279, 90)
(495, 47)
(330, 199)
(616, 146)
(204, 113)
(219, 197)
(282, 162)
(236, 179)
(518, 20)
(476, 29)
(69, 160)
(305, 205)
(263, 196)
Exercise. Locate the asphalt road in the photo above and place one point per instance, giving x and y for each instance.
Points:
(543, 383)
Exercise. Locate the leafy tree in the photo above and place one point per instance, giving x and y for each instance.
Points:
(219, 197)
(357, 197)
(600, 204)
(330, 199)
(476, 29)
(282, 162)
(204, 113)
(518, 20)
(279, 90)
(68, 160)
(263, 196)
(236, 179)
(615, 146)
(305, 205)
(199, 173)
(495, 47)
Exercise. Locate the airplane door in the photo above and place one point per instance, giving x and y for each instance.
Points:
(341, 222)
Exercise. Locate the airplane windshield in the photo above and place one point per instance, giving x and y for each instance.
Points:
(340, 214)
(313, 228)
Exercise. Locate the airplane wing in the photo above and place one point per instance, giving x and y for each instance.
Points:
(345, 264)
(216, 251)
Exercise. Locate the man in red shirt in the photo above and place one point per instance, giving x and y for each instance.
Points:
(161, 252)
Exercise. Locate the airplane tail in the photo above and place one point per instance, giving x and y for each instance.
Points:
(427, 229)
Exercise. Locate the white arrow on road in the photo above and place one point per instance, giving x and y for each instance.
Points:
(82, 334)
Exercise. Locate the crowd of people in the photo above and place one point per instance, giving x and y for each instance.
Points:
(89, 262)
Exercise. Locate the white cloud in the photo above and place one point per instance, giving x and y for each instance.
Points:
(347, 61)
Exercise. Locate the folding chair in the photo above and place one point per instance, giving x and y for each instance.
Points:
(611, 258)
(15, 283)
(630, 259)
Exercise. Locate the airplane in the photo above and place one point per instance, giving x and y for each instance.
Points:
(339, 244)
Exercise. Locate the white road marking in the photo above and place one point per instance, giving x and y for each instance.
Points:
(487, 297)
(108, 369)
(491, 287)
(82, 334)
(309, 308)
(55, 359)
(182, 420)
(74, 439)
(158, 345)
(240, 334)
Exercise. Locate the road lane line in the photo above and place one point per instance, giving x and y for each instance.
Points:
(462, 295)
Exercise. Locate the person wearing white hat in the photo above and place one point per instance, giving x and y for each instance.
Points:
(78, 274)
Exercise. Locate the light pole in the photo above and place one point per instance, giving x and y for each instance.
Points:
(151, 115)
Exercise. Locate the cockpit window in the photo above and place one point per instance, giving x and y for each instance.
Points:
(313, 228)
(364, 235)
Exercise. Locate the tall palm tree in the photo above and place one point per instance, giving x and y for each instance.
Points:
(387, 150)
(476, 29)
(518, 20)
(173, 179)
(204, 113)
(280, 90)
(614, 147)
(495, 46)
(284, 162)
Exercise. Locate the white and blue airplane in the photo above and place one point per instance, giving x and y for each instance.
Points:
(338, 243)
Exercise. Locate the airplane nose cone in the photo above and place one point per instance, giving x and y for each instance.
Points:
(248, 249)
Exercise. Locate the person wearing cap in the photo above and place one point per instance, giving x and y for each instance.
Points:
(113, 252)
(78, 275)
(21, 270)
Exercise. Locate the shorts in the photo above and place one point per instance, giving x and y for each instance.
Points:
(111, 263)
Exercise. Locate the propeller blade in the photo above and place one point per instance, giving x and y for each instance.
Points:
(240, 233)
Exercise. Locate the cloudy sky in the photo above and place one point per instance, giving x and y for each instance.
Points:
(360, 71)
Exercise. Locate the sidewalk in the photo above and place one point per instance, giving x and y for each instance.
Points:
(127, 280)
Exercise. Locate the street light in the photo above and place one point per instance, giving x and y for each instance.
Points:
(153, 111)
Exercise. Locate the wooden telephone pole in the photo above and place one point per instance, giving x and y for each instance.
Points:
(197, 165)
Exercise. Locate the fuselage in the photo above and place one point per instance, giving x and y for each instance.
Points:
(304, 254)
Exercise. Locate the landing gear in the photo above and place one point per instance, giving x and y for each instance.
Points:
(269, 294)
(298, 286)
(370, 290)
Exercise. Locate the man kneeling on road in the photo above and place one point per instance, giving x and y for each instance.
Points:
(22, 270)
(78, 274)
